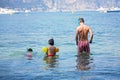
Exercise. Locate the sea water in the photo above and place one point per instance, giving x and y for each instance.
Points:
(21, 31)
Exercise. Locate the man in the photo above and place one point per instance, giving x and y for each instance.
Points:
(82, 37)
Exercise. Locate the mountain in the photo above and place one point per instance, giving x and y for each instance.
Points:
(60, 5)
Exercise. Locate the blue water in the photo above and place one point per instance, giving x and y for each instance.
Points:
(18, 32)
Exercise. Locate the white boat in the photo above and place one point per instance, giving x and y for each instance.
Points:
(107, 10)
(113, 10)
(101, 9)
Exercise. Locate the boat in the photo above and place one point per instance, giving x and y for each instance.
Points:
(113, 10)
(101, 9)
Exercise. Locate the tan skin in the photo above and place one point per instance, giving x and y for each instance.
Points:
(82, 33)
(51, 50)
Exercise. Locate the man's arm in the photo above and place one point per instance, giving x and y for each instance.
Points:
(91, 35)
(76, 37)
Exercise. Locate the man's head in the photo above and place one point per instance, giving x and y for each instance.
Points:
(81, 20)
(51, 42)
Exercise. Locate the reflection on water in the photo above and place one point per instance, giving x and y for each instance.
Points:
(83, 62)
(51, 61)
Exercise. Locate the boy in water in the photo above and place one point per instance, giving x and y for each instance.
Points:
(82, 37)
(29, 54)
(51, 49)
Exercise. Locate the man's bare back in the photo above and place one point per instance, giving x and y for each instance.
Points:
(83, 32)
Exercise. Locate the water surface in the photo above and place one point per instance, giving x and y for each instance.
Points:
(33, 30)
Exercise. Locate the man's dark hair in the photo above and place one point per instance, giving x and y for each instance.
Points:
(51, 42)
(29, 50)
(81, 20)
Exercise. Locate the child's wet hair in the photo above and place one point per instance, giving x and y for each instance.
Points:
(51, 42)
(30, 50)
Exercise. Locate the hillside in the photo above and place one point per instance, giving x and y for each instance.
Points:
(60, 5)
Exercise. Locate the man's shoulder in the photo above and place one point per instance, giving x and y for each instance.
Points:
(88, 27)
(78, 28)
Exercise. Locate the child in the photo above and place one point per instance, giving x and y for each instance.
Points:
(51, 49)
(29, 54)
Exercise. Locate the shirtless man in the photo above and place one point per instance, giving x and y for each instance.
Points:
(82, 37)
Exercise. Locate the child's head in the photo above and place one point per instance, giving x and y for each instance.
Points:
(51, 42)
(30, 50)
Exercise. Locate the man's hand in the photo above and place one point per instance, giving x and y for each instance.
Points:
(90, 41)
